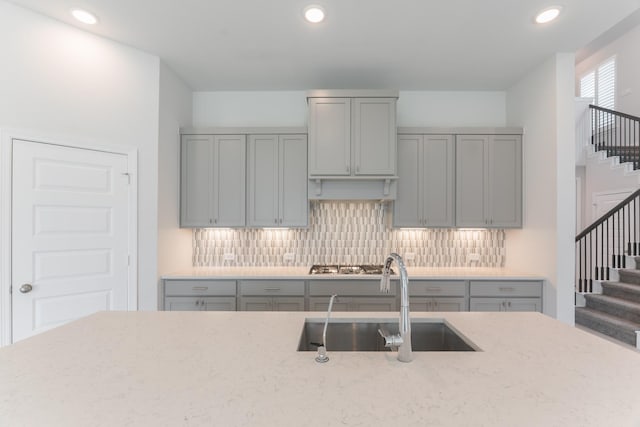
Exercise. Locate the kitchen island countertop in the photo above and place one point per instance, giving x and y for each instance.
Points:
(415, 273)
(242, 369)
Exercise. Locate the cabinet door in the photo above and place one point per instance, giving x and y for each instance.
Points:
(501, 304)
(294, 202)
(524, 304)
(437, 178)
(262, 195)
(229, 180)
(195, 181)
(486, 304)
(374, 136)
(504, 173)
(374, 304)
(329, 128)
(449, 304)
(407, 208)
(218, 304)
(288, 304)
(322, 304)
(445, 304)
(471, 155)
(256, 304)
(182, 304)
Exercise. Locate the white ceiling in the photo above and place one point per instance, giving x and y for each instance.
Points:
(363, 44)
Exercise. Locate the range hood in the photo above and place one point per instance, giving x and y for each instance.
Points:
(352, 188)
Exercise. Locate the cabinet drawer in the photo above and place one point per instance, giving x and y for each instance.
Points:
(271, 287)
(349, 287)
(452, 288)
(506, 288)
(199, 287)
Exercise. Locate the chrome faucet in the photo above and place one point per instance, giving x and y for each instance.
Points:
(403, 340)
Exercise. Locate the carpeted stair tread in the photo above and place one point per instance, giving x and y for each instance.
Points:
(628, 291)
(615, 327)
(629, 276)
(614, 306)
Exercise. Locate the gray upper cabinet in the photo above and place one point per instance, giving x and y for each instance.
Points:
(426, 174)
(277, 187)
(212, 181)
(352, 136)
(489, 181)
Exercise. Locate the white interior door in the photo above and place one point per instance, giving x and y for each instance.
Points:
(69, 235)
(604, 201)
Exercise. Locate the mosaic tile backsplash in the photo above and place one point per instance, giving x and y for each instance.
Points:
(347, 233)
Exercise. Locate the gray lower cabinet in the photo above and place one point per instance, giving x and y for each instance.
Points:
(438, 295)
(199, 295)
(277, 181)
(200, 303)
(425, 181)
(212, 187)
(506, 304)
(271, 295)
(489, 181)
(505, 295)
(353, 295)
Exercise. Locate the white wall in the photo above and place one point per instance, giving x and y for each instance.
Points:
(542, 102)
(415, 108)
(447, 108)
(174, 243)
(249, 108)
(626, 49)
(58, 80)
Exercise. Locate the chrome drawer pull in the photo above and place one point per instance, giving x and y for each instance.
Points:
(435, 289)
(271, 289)
(200, 288)
(505, 289)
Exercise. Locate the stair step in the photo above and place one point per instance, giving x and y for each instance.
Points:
(621, 308)
(626, 291)
(629, 276)
(609, 325)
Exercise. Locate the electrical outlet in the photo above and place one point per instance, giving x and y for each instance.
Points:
(473, 256)
(228, 257)
(289, 257)
(410, 256)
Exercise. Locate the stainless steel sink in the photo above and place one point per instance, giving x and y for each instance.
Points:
(362, 335)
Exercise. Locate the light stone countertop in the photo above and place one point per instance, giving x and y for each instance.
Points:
(242, 369)
(417, 273)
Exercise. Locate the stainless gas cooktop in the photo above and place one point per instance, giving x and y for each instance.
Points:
(346, 269)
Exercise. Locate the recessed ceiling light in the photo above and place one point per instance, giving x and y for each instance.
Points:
(548, 14)
(84, 16)
(314, 14)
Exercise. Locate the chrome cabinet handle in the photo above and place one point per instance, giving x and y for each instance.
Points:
(26, 288)
(434, 288)
(506, 289)
(200, 288)
(272, 289)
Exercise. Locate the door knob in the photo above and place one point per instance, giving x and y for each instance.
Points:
(26, 288)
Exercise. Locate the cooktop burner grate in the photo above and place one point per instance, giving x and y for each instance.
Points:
(346, 269)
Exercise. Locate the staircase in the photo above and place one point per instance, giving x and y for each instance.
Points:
(617, 134)
(616, 311)
(608, 251)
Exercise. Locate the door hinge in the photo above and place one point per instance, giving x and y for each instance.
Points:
(128, 175)
(128, 260)
(10, 290)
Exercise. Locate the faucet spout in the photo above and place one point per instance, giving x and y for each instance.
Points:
(404, 349)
